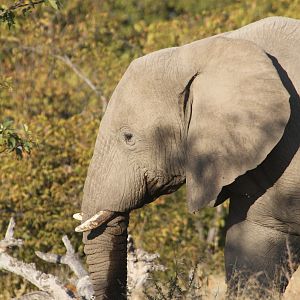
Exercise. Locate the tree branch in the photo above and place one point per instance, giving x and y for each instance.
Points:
(21, 4)
(83, 285)
(45, 282)
(66, 60)
(9, 240)
(7, 14)
(139, 265)
(39, 295)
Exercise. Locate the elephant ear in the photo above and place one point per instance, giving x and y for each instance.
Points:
(238, 112)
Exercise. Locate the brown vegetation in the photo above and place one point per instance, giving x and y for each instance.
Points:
(61, 67)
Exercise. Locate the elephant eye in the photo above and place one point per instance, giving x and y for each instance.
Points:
(129, 139)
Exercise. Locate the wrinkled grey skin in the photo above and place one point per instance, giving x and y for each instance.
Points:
(221, 115)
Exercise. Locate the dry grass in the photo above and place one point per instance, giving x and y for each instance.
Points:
(292, 291)
(213, 287)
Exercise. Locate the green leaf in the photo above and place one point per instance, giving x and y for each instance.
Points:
(27, 147)
(8, 17)
(12, 142)
(54, 4)
(7, 124)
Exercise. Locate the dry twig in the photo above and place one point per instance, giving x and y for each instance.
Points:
(66, 60)
(83, 285)
(9, 240)
(139, 265)
(45, 282)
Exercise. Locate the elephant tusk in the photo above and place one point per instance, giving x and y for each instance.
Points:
(95, 221)
(78, 216)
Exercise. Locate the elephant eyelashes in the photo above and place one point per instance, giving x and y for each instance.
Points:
(128, 137)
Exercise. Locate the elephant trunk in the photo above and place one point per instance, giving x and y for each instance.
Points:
(106, 251)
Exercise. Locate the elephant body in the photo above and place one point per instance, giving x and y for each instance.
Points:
(223, 116)
(263, 226)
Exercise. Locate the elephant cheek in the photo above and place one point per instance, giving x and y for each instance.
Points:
(106, 251)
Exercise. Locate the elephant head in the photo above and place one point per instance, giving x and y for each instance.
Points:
(203, 113)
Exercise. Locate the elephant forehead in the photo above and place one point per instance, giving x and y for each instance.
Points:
(139, 104)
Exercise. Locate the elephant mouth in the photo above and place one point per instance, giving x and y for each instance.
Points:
(104, 216)
(152, 187)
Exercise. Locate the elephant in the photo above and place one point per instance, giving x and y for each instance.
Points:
(221, 115)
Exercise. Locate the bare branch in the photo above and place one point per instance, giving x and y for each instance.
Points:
(35, 296)
(4, 244)
(66, 60)
(83, 285)
(50, 257)
(9, 241)
(68, 245)
(139, 265)
(70, 258)
(10, 229)
(85, 288)
(80, 74)
(45, 282)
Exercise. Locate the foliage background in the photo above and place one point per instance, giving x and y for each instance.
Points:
(100, 38)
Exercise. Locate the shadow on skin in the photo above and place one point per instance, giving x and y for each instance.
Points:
(274, 247)
(116, 225)
(250, 185)
(254, 183)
